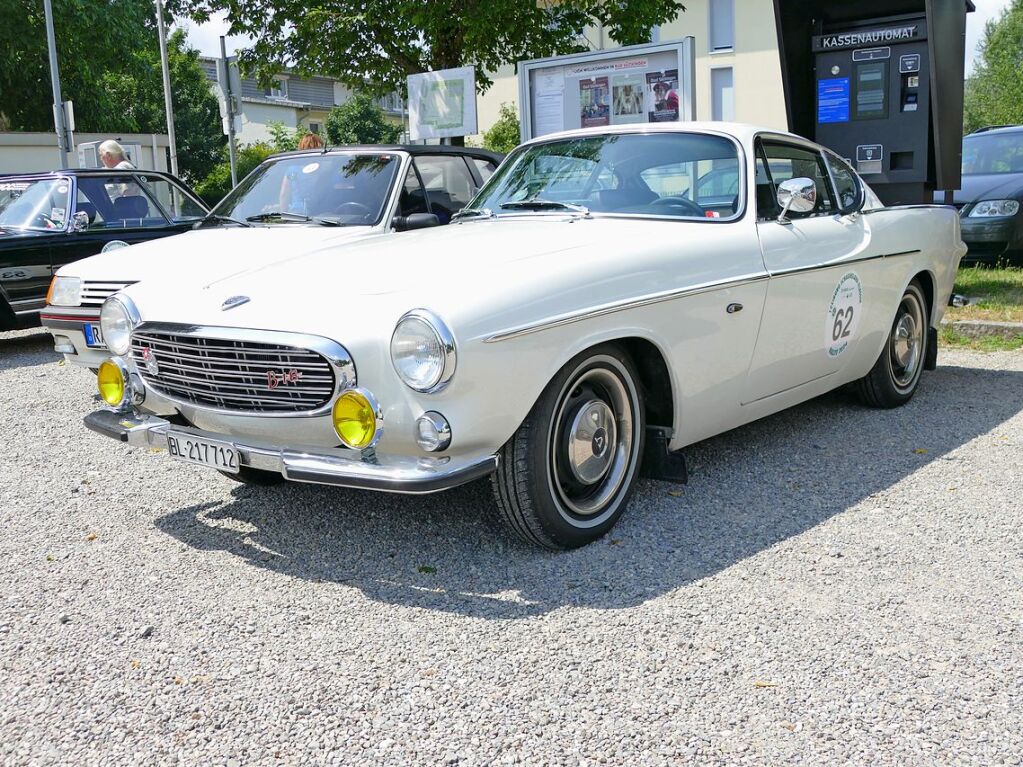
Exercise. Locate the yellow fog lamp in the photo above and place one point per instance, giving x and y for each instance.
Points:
(357, 419)
(112, 382)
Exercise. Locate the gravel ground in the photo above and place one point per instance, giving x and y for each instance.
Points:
(835, 586)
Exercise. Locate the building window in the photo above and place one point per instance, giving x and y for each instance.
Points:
(722, 94)
(278, 89)
(722, 25)
(314, 128)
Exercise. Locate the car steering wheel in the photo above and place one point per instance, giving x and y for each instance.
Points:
(46, 221)
(353, 209)
(689, 206)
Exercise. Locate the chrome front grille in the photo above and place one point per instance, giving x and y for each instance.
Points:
(95, 293)
(238, 374)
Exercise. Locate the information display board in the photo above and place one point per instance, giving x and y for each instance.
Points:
(442, 104)
(635, 84)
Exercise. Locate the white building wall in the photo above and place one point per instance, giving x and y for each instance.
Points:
(256, 119)
(28, 152)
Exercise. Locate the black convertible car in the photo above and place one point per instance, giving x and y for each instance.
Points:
(51, 219)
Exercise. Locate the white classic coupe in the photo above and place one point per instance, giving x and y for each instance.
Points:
(610, 296)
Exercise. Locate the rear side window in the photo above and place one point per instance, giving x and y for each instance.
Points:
(485, 168)
(847, 188)
(449, 185)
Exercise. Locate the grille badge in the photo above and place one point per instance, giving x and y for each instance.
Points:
(234, 301)
(149, 358)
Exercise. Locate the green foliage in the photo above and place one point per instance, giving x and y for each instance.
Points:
(93, 37)
(384, 42)
(283, 138)
(994, 94)
(503, 135)
(217, 184)
(360, 120)
(135, 100)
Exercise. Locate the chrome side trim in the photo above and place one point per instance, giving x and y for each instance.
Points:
(336, 355)
(621, 306)
(844, 262)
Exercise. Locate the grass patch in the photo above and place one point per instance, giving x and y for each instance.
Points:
(998, 293)
(949, 337)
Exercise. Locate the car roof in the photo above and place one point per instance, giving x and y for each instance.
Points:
(91, 172)
(412, 149)
(739, 131)
(997, 129)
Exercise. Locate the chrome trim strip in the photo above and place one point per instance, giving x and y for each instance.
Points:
(621, 306)
(334, 353)
(844, 262)
(365, 470)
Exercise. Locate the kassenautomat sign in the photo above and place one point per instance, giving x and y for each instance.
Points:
(866, 38)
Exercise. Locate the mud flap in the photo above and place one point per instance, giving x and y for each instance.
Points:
(659, 462)
(931, 359)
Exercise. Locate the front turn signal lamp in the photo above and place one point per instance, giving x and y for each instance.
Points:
(112, 382)
(357, 419)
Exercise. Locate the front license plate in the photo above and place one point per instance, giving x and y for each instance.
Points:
(93, 335)
(205, 452)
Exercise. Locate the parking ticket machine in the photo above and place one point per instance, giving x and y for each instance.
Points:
(881, 83)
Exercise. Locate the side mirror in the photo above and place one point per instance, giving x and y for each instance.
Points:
(415, 221)
(80, 221)
(798, 195)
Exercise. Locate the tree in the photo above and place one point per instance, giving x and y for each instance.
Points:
(217, 184)
(503, 135)
(135, 98)
(93, 37)
(383, 41)
(283, 138)
(994, 94)
(360, 120)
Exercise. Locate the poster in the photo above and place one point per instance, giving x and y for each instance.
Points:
(442, 104)
(662, 96)
(549, 101)
(627, 99)
(594, 102)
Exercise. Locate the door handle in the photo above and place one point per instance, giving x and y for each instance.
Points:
(733, 308)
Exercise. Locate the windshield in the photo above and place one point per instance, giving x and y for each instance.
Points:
(350, 189)
(993, 153)
(678, 175)
(39, 204)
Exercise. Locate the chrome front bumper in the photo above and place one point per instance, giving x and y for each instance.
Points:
(395, 474)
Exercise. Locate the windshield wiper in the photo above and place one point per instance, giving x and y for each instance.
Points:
(473, 213)
(220, 220)
(287, 216)
(537, 203)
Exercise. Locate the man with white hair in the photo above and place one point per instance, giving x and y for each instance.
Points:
(111, 154)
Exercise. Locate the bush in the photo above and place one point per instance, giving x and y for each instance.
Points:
(217, 184)
(503, 135)
(284, 139)
(360, 121)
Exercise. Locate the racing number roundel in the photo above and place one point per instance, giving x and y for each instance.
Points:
(843, 314)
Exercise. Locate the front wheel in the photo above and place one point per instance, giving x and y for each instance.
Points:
(894, 378)
(565, 477)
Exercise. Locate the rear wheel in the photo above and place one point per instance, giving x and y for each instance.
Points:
(895, 376)
(565, 477)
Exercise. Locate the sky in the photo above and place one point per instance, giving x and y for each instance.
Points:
(206, 37)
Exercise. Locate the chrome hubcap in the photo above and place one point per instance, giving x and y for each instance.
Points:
(592, 441)
(907, 341)
(591, 444)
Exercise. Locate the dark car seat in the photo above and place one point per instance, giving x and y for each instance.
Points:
(616, 199)
(88, 208)
(134, 206)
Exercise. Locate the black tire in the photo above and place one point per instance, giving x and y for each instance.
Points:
(895, 376)
(558, 498)
(249, 476)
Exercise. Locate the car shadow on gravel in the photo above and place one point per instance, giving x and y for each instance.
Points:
(750, 489)
(26, 348)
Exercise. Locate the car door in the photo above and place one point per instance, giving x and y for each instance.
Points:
(816, 289)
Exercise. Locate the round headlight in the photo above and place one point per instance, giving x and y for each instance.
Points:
(65, 291)
(112, 382)
(117, 319)
(356, 418)
(423, 351)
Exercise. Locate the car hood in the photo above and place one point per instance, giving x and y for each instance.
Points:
(205, 256)
(477, 275)
(993, 186)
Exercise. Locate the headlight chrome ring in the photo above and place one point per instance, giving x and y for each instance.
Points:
(357, 418)
(405, 349)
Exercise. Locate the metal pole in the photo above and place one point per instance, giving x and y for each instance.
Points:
(58, 102)
(167, 102)
(229, 97)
